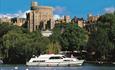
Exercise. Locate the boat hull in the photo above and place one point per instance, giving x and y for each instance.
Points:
(53, 64)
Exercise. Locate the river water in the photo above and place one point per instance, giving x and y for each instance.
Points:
(86, 66)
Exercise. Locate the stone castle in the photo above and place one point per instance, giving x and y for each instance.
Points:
(40, 17)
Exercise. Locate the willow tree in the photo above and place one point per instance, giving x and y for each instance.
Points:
(53, 48)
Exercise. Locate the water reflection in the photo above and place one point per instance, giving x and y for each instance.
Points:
(84, 67)
(55, 68)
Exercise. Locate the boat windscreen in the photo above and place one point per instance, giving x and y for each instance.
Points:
(64, 56)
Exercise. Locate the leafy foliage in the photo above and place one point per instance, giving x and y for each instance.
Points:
(103, 38)
(73, 38)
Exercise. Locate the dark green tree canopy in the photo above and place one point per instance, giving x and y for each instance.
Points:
(73, 37)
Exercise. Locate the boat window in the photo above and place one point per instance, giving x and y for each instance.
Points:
(55, 58)
(39, 61)
(64, 56)
(68, 60)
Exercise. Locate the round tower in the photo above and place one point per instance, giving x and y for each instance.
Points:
(34, 5)
(90, 14)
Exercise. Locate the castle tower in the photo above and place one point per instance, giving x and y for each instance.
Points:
(34, 5)
(38, 17)
(89, 15)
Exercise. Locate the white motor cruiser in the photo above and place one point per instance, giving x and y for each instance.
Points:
(54, 60)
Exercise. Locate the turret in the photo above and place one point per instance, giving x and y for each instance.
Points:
(89, 15)
(34, 5)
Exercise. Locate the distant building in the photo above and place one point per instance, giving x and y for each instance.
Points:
(63, 20)
(75, 19)
(92, 19)
(46, 33)
(79, 21)
(18, 21)
(57, 21)
(90, 23)
(5, 20)
(40, 17)
(67, 19)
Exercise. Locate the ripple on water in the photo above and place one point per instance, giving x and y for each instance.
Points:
(84, 67)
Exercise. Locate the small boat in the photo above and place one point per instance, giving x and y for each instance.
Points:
(54, 60)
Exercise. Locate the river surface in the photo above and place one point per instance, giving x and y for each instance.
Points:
(85, 66)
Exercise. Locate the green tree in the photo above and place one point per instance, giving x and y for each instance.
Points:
(109, 21)
(55, 37)
(103, 37)
(18, 44)
(11, 41)
(99, 40)
(73, 38)
(53, 48)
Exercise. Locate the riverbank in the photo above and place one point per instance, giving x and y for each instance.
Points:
(99, 62)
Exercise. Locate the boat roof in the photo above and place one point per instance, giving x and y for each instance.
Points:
(49, 55)
(45, 57)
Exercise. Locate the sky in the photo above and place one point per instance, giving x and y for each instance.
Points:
(79, 8)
